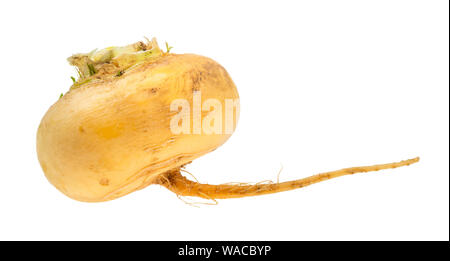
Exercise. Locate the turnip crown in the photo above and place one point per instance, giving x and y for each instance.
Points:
(113, 61)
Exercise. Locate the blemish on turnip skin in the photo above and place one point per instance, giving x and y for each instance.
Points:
(104, 182)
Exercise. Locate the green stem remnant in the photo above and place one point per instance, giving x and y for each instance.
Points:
(112, 61)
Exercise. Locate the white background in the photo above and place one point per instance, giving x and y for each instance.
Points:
(323, 85)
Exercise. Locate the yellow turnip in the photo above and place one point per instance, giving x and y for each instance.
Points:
(135, 116)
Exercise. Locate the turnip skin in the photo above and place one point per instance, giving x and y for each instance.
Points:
(104, 140)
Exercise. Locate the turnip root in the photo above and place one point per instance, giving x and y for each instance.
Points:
(174, 181)
(113, 132)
